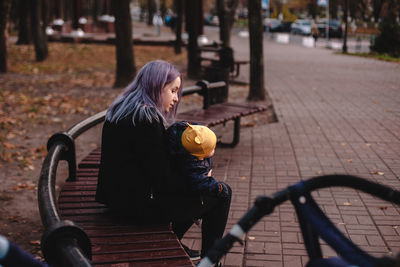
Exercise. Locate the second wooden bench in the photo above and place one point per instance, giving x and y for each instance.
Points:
(216, 109)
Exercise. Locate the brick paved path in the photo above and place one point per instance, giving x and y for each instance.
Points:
(337, 114)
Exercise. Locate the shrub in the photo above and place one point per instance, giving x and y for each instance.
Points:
(388, 41)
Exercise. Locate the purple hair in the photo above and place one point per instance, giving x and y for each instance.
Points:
(142, 98)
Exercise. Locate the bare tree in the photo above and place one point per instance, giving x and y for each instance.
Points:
(226, 14)
(124, 45)
(377, 8)
(24, 32)
(193, 17)
(333, 8)
(312, 8)
(151, 9)
(38, 33)
(257, 91)
(4, 12)
(178, 25)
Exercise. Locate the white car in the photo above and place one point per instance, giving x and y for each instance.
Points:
(301, 26)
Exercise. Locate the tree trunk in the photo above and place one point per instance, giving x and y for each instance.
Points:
(312, 8)
(77, 13)
(45, 14)
(24, 33)
(346, 8)
(226, 17)
(57, 9)
(151, 7)
(193, 28)
(178, 26)
(38, 34)
(124, 45)
(257, 91)
(333, 8)
(163, 8)
(4, 12)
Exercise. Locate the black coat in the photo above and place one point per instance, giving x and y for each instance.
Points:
(193, 170)
(135, 168)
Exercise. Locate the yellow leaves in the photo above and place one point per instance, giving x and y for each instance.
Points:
(244, 178)
(350, 160)
(24, 186)
(347, 204)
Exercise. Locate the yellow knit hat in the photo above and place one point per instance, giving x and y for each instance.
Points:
(199, 140)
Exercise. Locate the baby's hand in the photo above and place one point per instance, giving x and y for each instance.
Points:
(209, 173)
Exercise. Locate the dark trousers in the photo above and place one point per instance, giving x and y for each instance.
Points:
(183, 210)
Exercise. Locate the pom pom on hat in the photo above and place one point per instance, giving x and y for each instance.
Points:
(199, 140)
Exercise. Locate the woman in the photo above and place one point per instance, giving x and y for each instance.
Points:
(135, 176)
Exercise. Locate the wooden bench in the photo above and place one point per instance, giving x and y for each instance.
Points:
(78, 231)
(82, 232)
(221, 57)
(216, 110)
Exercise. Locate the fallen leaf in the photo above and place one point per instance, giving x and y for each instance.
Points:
(8, 145)
(388, 110)
(347, 203)
(350, 160)
(243, 178)
(381, 173)
(374, 172)
(368, 145)
(252, 237)
(383, 208)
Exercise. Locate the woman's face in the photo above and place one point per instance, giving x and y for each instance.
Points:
(169, 94)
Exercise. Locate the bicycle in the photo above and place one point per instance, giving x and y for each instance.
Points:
(313, 223)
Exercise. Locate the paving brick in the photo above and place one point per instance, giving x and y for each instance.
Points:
(332, 120)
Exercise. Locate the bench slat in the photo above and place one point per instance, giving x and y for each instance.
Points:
(155, 263)
(106, 248)
(139, 256)
(219, 113)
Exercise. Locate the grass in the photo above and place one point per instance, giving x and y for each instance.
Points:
(384, 57)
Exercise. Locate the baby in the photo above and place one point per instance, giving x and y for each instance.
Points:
(192, 147)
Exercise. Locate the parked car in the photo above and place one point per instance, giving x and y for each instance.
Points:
(301, 26)
(272, 25)
(335, 28)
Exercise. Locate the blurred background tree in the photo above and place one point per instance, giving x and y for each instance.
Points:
(388, 40)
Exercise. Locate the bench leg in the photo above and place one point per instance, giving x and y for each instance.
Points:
(236, 135)
(237, 70)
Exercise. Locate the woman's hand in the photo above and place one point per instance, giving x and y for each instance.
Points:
(209, 173)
